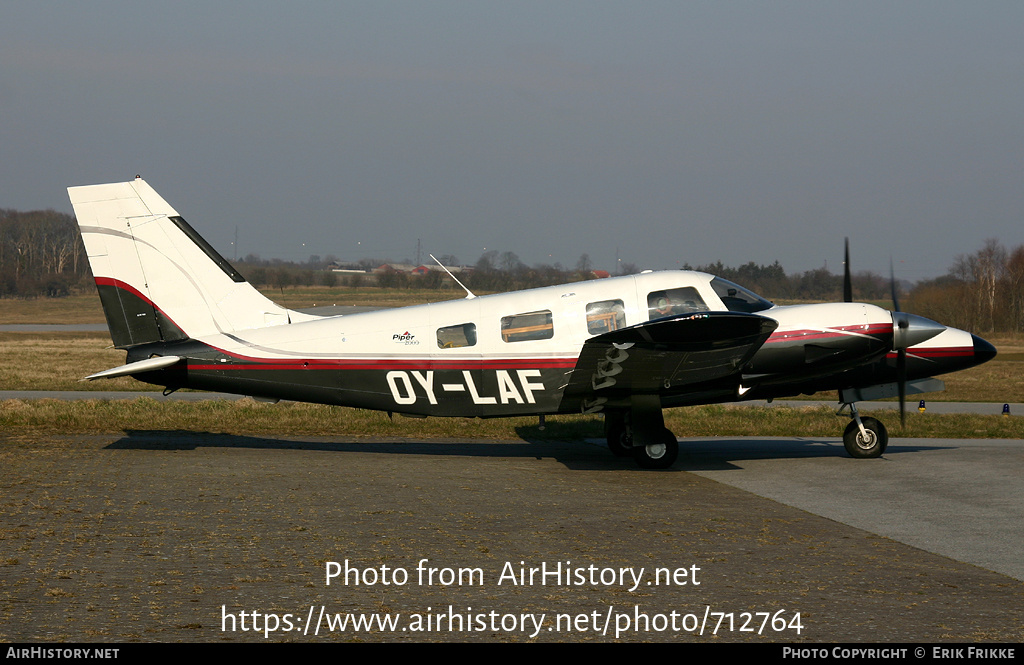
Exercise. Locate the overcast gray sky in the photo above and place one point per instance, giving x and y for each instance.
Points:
(668, 132)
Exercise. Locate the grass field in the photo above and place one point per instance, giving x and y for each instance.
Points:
(58, 360)
(249, 417)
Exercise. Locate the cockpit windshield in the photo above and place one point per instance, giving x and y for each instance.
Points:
(737, 298)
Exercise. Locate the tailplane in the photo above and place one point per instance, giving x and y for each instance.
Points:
(158, 279)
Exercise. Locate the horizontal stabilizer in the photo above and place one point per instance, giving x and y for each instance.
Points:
(137, 367)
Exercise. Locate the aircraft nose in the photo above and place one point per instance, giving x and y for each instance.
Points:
(983, 351)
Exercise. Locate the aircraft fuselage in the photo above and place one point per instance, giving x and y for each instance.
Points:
(523, 348)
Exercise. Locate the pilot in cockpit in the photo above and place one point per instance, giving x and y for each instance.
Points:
(659, 305)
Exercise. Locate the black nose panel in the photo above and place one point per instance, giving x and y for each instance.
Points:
(983, 351)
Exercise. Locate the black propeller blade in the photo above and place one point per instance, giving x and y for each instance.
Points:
(892, 288)
(907, 330)
(901, 343)
(847, 280)
(901, 373)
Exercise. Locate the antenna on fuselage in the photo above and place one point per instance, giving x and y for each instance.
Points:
(469, 294)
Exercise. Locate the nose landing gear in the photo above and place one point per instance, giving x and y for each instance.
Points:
(864, 438)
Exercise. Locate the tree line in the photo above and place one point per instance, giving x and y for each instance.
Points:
(42, 255)
(982, 292)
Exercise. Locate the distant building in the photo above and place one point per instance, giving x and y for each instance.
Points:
(418, 271)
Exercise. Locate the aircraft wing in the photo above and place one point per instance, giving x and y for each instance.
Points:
(667, 356)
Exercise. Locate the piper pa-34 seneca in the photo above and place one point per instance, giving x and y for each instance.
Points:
(626, 347)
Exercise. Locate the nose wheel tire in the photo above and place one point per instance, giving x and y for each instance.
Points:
(871, 443)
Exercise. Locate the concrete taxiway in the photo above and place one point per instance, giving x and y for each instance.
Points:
(156, 536)
(961, 498)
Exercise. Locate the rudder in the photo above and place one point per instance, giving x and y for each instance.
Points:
(157, 278)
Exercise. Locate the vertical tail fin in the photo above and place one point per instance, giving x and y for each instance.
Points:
(158, 279)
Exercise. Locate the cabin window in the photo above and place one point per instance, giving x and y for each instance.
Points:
(605, 316)
(455, 337)
(672, 302)
(528, 326)
(738, 299)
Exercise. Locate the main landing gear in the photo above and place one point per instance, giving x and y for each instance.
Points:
(640, 432)
(864, 438)
(649, 442)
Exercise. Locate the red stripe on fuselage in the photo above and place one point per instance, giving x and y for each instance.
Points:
(395, 362)
(938, 352)
(831, 333)
(386, 364)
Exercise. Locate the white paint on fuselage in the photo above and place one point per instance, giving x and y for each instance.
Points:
(373, 334)
(411, 332)
(826, 317)
(950, 338)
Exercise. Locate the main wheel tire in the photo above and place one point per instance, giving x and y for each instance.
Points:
(618, 436)
(861, 447)
(658, 455)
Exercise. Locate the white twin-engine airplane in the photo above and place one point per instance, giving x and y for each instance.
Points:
(626, 347)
